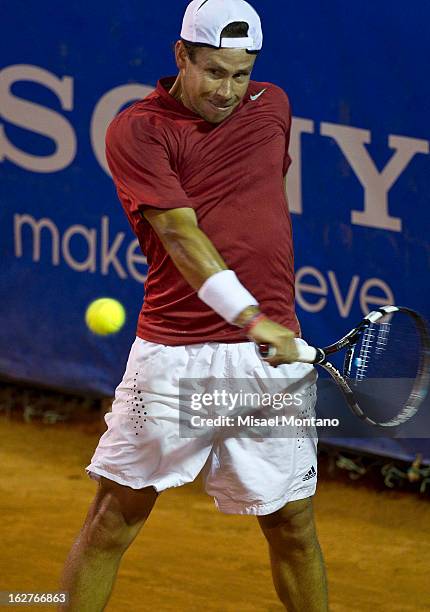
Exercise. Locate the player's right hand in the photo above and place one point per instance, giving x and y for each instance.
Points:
(279, 338)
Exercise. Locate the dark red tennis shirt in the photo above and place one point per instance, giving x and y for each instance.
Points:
(163, 155)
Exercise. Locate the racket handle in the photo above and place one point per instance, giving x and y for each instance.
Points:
(306, 354)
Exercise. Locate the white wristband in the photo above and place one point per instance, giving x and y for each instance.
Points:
(225, 294)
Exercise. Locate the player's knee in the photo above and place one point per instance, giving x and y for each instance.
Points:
(300, 540)
(291, 530)
(106, 529)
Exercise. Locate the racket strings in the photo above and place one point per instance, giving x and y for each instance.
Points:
(382, 339)
(387, 349)
(364, 355)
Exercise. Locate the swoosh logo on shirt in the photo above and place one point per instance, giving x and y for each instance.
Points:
(256, 96)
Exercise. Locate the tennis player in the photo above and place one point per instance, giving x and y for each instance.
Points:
(199, 167)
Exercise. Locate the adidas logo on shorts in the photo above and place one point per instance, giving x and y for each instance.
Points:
(311, 474)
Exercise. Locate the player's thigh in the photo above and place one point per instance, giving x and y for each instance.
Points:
(292, 526)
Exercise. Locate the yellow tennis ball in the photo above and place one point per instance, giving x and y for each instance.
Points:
(105, 316)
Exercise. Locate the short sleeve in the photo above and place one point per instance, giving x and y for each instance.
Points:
(139, 159)
(287, 114)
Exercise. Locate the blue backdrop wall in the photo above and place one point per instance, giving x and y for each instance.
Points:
(356, 74)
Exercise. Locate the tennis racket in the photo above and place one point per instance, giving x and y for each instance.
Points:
(386, 370)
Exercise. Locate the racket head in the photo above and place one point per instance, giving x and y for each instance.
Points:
(387, 366)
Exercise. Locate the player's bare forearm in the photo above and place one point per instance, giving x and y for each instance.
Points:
(190, 249)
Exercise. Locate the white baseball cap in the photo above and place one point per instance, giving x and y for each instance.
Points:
(204, 20)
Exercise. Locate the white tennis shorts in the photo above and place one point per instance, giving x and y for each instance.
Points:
(143, 445)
